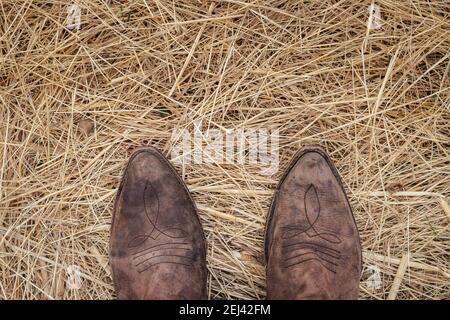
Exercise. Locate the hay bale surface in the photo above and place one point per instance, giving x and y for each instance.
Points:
(75, 103)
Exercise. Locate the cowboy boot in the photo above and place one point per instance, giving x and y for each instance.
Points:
(157, 246)
(312, 245)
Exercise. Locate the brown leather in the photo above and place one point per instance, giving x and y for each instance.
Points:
(157, 247)
(312, 244)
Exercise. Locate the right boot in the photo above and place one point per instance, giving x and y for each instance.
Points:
(312, 245)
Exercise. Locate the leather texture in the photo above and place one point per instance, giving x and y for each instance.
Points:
(312, 245)
(157, 246)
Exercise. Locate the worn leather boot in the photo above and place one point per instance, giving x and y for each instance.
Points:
(157, 247)
(312, 246)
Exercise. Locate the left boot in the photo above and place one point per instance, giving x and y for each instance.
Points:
(157, 248)
(312, 245)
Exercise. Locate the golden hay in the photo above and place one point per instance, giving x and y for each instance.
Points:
(75, 104)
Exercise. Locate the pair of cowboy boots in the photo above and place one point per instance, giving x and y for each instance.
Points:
(158, 250)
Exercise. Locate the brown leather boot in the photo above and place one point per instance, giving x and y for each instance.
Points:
(157, 247)
(312, 245)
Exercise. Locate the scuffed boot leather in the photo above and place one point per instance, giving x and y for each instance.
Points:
(312, 245)
(157, 247)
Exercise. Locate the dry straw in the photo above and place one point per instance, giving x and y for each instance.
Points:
(75, 103)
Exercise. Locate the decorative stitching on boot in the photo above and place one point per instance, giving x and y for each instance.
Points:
(304, 251)
(179, 252)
